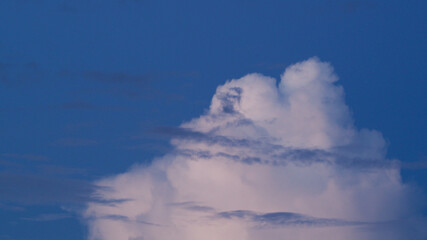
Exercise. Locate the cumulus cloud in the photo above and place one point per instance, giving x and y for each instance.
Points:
(268, 160)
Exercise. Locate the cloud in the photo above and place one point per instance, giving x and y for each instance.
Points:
(61, 170)
(283, 219)
(38, 181)
(47, 217)
(6, 207)
(31, 157)
(78, 105)
(84, 105)
(75, 142)
(116, 77)
(16, 74)
(353, 6)
(122, 84)
(267, 160)
(37, 189)
(274, 154)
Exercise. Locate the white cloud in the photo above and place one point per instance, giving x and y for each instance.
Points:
(266, 161)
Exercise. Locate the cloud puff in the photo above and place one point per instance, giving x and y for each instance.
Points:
(268, 160)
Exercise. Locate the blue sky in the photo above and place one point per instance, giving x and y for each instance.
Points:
(84, 85)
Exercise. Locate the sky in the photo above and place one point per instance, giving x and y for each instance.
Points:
(131, 119)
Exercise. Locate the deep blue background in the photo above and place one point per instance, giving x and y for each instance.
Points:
(83, 83)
